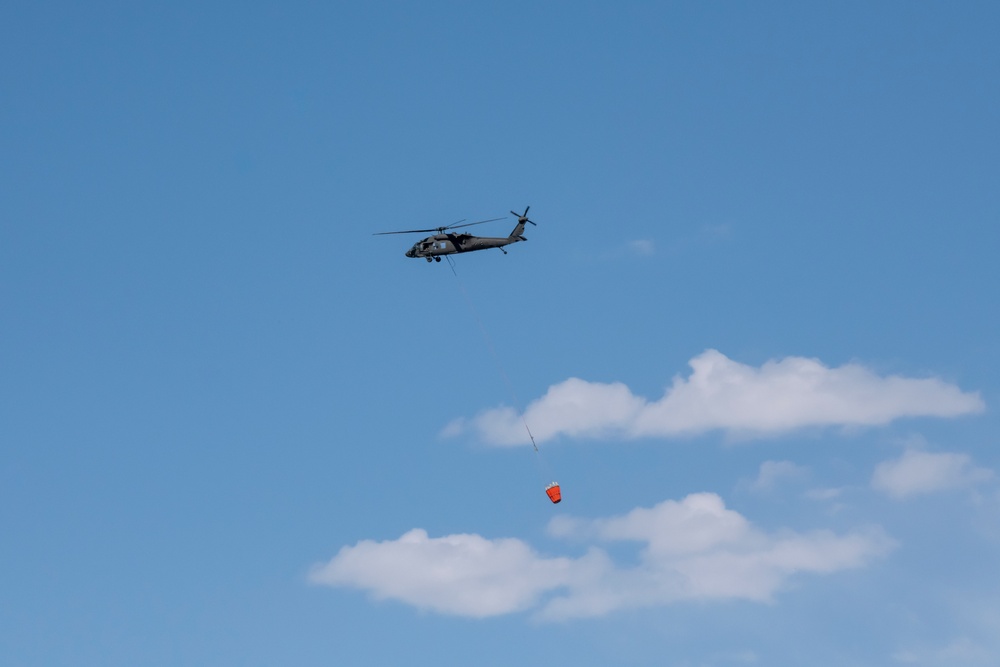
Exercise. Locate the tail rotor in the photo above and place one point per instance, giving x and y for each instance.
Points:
(522, 217)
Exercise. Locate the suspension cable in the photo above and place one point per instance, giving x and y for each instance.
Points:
(493, 352)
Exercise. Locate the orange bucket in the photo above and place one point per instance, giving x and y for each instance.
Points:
(553, 492)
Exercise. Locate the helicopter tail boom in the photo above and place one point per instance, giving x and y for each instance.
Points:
(522, 219)
(517, 233)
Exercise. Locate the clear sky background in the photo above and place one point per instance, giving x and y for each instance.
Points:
(755, 332)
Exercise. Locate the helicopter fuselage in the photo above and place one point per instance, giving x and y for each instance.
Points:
(433, 247)
(447, 242)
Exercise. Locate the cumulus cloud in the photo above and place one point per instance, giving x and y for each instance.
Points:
(917, 472)
(692, 549)
(722, 394)
(465, 575)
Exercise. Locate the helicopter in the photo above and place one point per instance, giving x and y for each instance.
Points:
(446, 242)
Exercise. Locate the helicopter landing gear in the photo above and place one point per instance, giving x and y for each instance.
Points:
(437, 259)
(503, 251)
(427, 258)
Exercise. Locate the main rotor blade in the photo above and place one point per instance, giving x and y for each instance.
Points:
(439, 230)
(469, 224)
(408, 231)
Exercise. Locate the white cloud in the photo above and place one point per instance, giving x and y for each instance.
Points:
(722, 232)
(917, 472)
(720, 393)
(976, 640)
(628, 249)
(693, 549)
(466, 575)
(642, 247)
(824, 493)
(772, 472)
(962, 651)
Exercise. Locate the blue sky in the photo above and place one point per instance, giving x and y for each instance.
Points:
(754, 332)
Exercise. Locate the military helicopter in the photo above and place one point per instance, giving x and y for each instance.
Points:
(447, 243)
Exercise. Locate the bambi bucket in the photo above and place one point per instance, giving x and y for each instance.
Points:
(553, 492)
